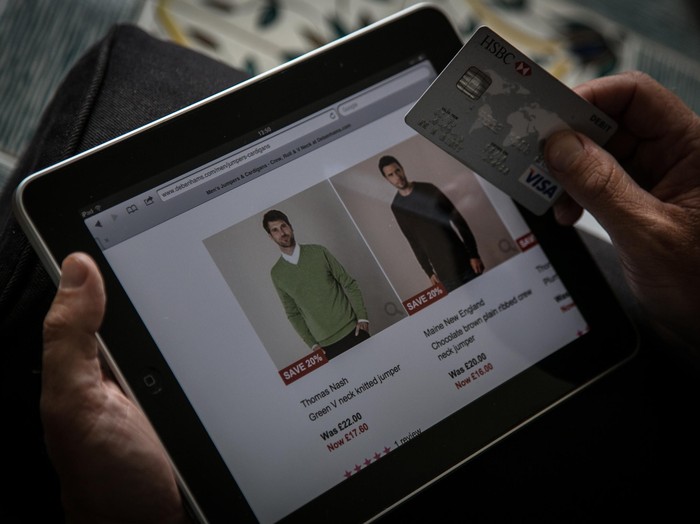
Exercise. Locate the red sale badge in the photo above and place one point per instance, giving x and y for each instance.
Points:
(303, 366)
(424, 298)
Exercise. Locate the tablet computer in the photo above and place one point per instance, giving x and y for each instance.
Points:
(300, 329)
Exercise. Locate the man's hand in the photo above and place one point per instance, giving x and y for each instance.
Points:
(111, 465)
(361, 325)
(477, 265)
(644, 191)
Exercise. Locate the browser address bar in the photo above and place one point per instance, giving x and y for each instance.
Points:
(240, 158)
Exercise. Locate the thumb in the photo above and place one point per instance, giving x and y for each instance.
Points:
(594, 179)
(70, 358)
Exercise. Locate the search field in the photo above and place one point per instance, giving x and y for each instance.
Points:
(242, 157)
(391, 87)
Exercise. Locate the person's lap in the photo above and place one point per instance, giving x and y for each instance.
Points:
(618, 442)
(124, 82)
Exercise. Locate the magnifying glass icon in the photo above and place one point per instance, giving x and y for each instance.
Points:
(506, 246)
(391, 309)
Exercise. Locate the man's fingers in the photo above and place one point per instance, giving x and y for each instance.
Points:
(70, 346)
(364, 326)
(566, 210)
(594, 179)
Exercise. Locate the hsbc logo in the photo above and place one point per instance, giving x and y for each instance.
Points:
(523, 68)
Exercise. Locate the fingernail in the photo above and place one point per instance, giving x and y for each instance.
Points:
(562, 150)
(73, 273)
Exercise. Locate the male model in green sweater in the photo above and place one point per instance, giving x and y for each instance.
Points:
(322, 301)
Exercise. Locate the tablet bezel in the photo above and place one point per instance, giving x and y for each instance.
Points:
(47, 205)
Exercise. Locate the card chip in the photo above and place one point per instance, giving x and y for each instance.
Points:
(474, 83)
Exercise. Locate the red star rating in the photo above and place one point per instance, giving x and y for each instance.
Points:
(358, 467)
(523, 68)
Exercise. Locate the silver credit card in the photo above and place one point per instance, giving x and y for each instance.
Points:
(492, 109)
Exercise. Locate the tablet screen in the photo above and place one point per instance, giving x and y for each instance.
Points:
(236, 325)
(329, 290)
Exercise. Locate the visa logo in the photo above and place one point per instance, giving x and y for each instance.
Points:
(540, 183)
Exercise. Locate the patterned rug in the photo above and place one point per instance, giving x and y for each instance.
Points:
(573, 39)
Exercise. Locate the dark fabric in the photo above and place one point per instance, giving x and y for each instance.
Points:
(426, 218)
(125, 81)
(349, 341)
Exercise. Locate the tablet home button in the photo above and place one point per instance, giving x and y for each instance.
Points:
(151, 379)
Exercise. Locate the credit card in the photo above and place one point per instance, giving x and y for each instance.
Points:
(492, 108)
